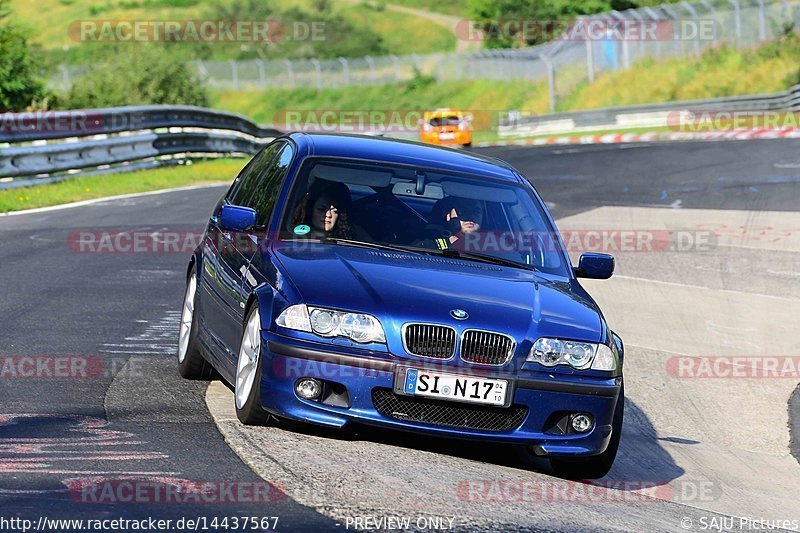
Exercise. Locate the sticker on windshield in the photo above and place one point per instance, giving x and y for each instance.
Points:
(302, 229)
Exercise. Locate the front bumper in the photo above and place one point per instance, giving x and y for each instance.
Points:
(460, 138)
(545, 396)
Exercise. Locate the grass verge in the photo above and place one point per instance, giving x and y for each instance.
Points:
(718, 72)
(54, 24)
(486, 99)
(88, 187)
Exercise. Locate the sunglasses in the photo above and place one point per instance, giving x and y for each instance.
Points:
(472, 215)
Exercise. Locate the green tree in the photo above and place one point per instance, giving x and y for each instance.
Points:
(538, 10)
(137, 74)
(298, 33)
(20, 86)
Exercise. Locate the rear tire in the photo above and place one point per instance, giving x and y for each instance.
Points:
(247, 382)
(191, 363)
(599, 465)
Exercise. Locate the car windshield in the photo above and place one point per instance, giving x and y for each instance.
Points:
(421, 210)
(449, 120)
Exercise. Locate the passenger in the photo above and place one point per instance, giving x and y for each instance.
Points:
(325, 212)
(451, 218)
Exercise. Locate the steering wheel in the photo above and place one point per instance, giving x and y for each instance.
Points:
(535, 255)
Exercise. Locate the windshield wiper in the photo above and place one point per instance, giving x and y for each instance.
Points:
(448, 252)
(374, 245)
(484, 258)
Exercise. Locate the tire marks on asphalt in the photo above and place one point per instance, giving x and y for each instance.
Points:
(158, 337)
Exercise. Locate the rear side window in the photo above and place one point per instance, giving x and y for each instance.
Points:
(270, 183)
(247, 182)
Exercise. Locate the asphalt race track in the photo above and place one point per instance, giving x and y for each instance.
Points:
(698, 444)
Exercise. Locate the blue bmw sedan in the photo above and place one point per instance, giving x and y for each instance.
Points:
(346, 279)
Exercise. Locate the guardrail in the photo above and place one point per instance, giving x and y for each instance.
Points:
(50, 158)
(20, 127)
(50, 142)
(639, 116)
(44, 144)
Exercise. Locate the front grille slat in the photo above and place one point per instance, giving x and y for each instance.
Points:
(486, 347)
(430, 340)
(448, 414)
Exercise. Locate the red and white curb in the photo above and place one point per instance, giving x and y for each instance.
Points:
(655, 136)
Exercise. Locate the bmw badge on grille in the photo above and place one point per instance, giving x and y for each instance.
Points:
(459, 314)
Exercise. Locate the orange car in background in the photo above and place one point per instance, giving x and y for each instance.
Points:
(448, 127)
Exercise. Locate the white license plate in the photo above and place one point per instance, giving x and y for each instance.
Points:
(455, 387)
(447, 136)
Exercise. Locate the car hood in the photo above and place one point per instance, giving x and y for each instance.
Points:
(399, 288)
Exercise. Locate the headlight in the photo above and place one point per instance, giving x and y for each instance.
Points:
(358, 327)
(578, 355)
(324, 322)
(361, 328)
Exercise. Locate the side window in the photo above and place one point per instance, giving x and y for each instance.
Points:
(269, 186)
(248, 180)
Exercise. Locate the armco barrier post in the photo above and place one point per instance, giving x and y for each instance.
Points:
(624, 43)
(262, 74)
(589, 50)
(676, 19)
(234, 74)
(711, 9)
(345, 71)
(65, 77)
(654, 16)
(693, 12)
(737, 18)
(640, 44)
(372, 74)
(762, 21)
(318, 71)
(289, 72)
(396, 63)
(551, 80)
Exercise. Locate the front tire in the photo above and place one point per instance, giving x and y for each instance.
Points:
(599, 465)
(247, 382)
(191, 364)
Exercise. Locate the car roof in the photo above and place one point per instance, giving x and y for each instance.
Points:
(404, 152)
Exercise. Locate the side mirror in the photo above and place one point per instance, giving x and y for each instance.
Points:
(236, 218)
(595, 266)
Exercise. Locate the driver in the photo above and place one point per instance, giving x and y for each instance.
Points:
(451, 219)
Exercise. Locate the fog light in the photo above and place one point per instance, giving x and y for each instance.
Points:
(582, 423)
(308, 388)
